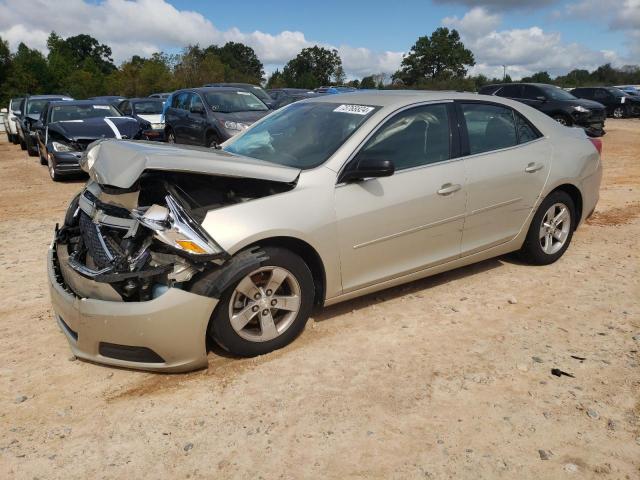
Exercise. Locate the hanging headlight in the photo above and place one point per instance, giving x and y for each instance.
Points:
(174, 227)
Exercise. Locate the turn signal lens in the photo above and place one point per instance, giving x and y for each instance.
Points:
(190, 246)
(597, 142)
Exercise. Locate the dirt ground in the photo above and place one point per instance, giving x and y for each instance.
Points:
(448, 377)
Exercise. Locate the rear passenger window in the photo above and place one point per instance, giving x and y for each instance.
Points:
(412, 138)
(490, 127)
(526, 133)
(183, 101)
(513, 91)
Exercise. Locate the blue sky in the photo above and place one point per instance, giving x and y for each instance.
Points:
(371, 36)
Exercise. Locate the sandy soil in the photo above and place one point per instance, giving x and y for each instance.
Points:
(449, 377)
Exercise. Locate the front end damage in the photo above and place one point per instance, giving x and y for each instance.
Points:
(123, 266)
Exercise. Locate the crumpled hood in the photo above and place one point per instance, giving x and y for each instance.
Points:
(120, 163)
(96, 128)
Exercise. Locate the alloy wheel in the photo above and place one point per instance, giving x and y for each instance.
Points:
(171, 138)
(618, 112)
(561, 120)
(265, 304)
(555, 228)
(51, 167)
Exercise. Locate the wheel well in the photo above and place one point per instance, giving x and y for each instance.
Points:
(210, 134)
(310, 257)
(575, 195)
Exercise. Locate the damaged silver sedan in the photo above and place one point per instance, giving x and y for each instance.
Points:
(328, 199)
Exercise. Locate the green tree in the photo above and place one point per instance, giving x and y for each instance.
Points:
(197, 67)
(276, 80)
(313, 67)
(368, 82)
(241, 64)
(539, 77)
(439, 57)
(30, 72)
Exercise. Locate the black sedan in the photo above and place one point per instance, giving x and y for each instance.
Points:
(31, 109)
(619, 104)
(560, 105)
(65, 129)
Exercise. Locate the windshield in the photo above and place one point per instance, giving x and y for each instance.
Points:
(556, 93)
(260, 93)
(15, 104)
(61, 113)
(35, 106)
(148, 107)
(302, 135)
(238, 101)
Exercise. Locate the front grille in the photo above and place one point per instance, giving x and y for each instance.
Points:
(94, 242)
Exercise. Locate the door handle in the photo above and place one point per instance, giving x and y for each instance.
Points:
(533, 167)
(449, 188)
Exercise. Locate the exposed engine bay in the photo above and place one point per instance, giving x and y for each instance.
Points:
(147, 238)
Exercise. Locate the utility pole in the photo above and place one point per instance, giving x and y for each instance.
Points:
(504, 72)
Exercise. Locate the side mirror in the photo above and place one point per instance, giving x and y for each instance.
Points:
(368, 168)
(197, 109)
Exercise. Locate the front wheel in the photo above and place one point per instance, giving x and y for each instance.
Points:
(171, 137)
(562, 120)
(551, 230)
(267, 308)
(618, 112)
(51, 164)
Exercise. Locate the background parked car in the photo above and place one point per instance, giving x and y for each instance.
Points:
(617, 103)
(111, 99)
(64, 130)
(11, 120)
(630, 90)
(148, 113)
(562, 106)
(285, 96)
(334, 90)
(209, 116)
(162, 96)
(255, 89)
(31, 110)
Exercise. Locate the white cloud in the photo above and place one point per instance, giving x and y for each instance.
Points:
(523, 50)
(145, 26)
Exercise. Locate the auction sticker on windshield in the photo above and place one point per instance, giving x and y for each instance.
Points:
(355, 109)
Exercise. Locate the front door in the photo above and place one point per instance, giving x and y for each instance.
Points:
(507, 167)
(392, 226)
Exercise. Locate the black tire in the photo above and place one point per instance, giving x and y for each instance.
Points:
(23, 145)
(51, 167)
(221, 330)
(563, 119)
(532, 251)
(171, 137)
(619, 112)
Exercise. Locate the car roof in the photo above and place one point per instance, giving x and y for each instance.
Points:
(79, 102)
(45, 97)
(144, 99)
(384, 98)
(210, 89)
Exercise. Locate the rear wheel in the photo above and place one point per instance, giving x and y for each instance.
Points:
(551, 229)
(563, 119)
(212, 140)
(267, 308)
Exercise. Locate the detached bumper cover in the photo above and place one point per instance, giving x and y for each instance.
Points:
(167, 333)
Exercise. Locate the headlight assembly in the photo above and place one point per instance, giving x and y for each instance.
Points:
(235, 126)
(61, 147)
(581, 109)
(174, 227)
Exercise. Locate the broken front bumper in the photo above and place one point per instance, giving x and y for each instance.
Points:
(167, 333)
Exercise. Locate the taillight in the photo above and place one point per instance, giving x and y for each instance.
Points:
(597, 142)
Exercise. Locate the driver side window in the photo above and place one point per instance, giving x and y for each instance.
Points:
(418, 136)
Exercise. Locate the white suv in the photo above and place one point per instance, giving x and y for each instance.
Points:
(10, 120)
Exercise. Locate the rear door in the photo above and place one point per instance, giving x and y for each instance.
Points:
(393, 226)
(507, 164)
(196, 122)
(179, 117)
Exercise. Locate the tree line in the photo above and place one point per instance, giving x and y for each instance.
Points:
(82, 67)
